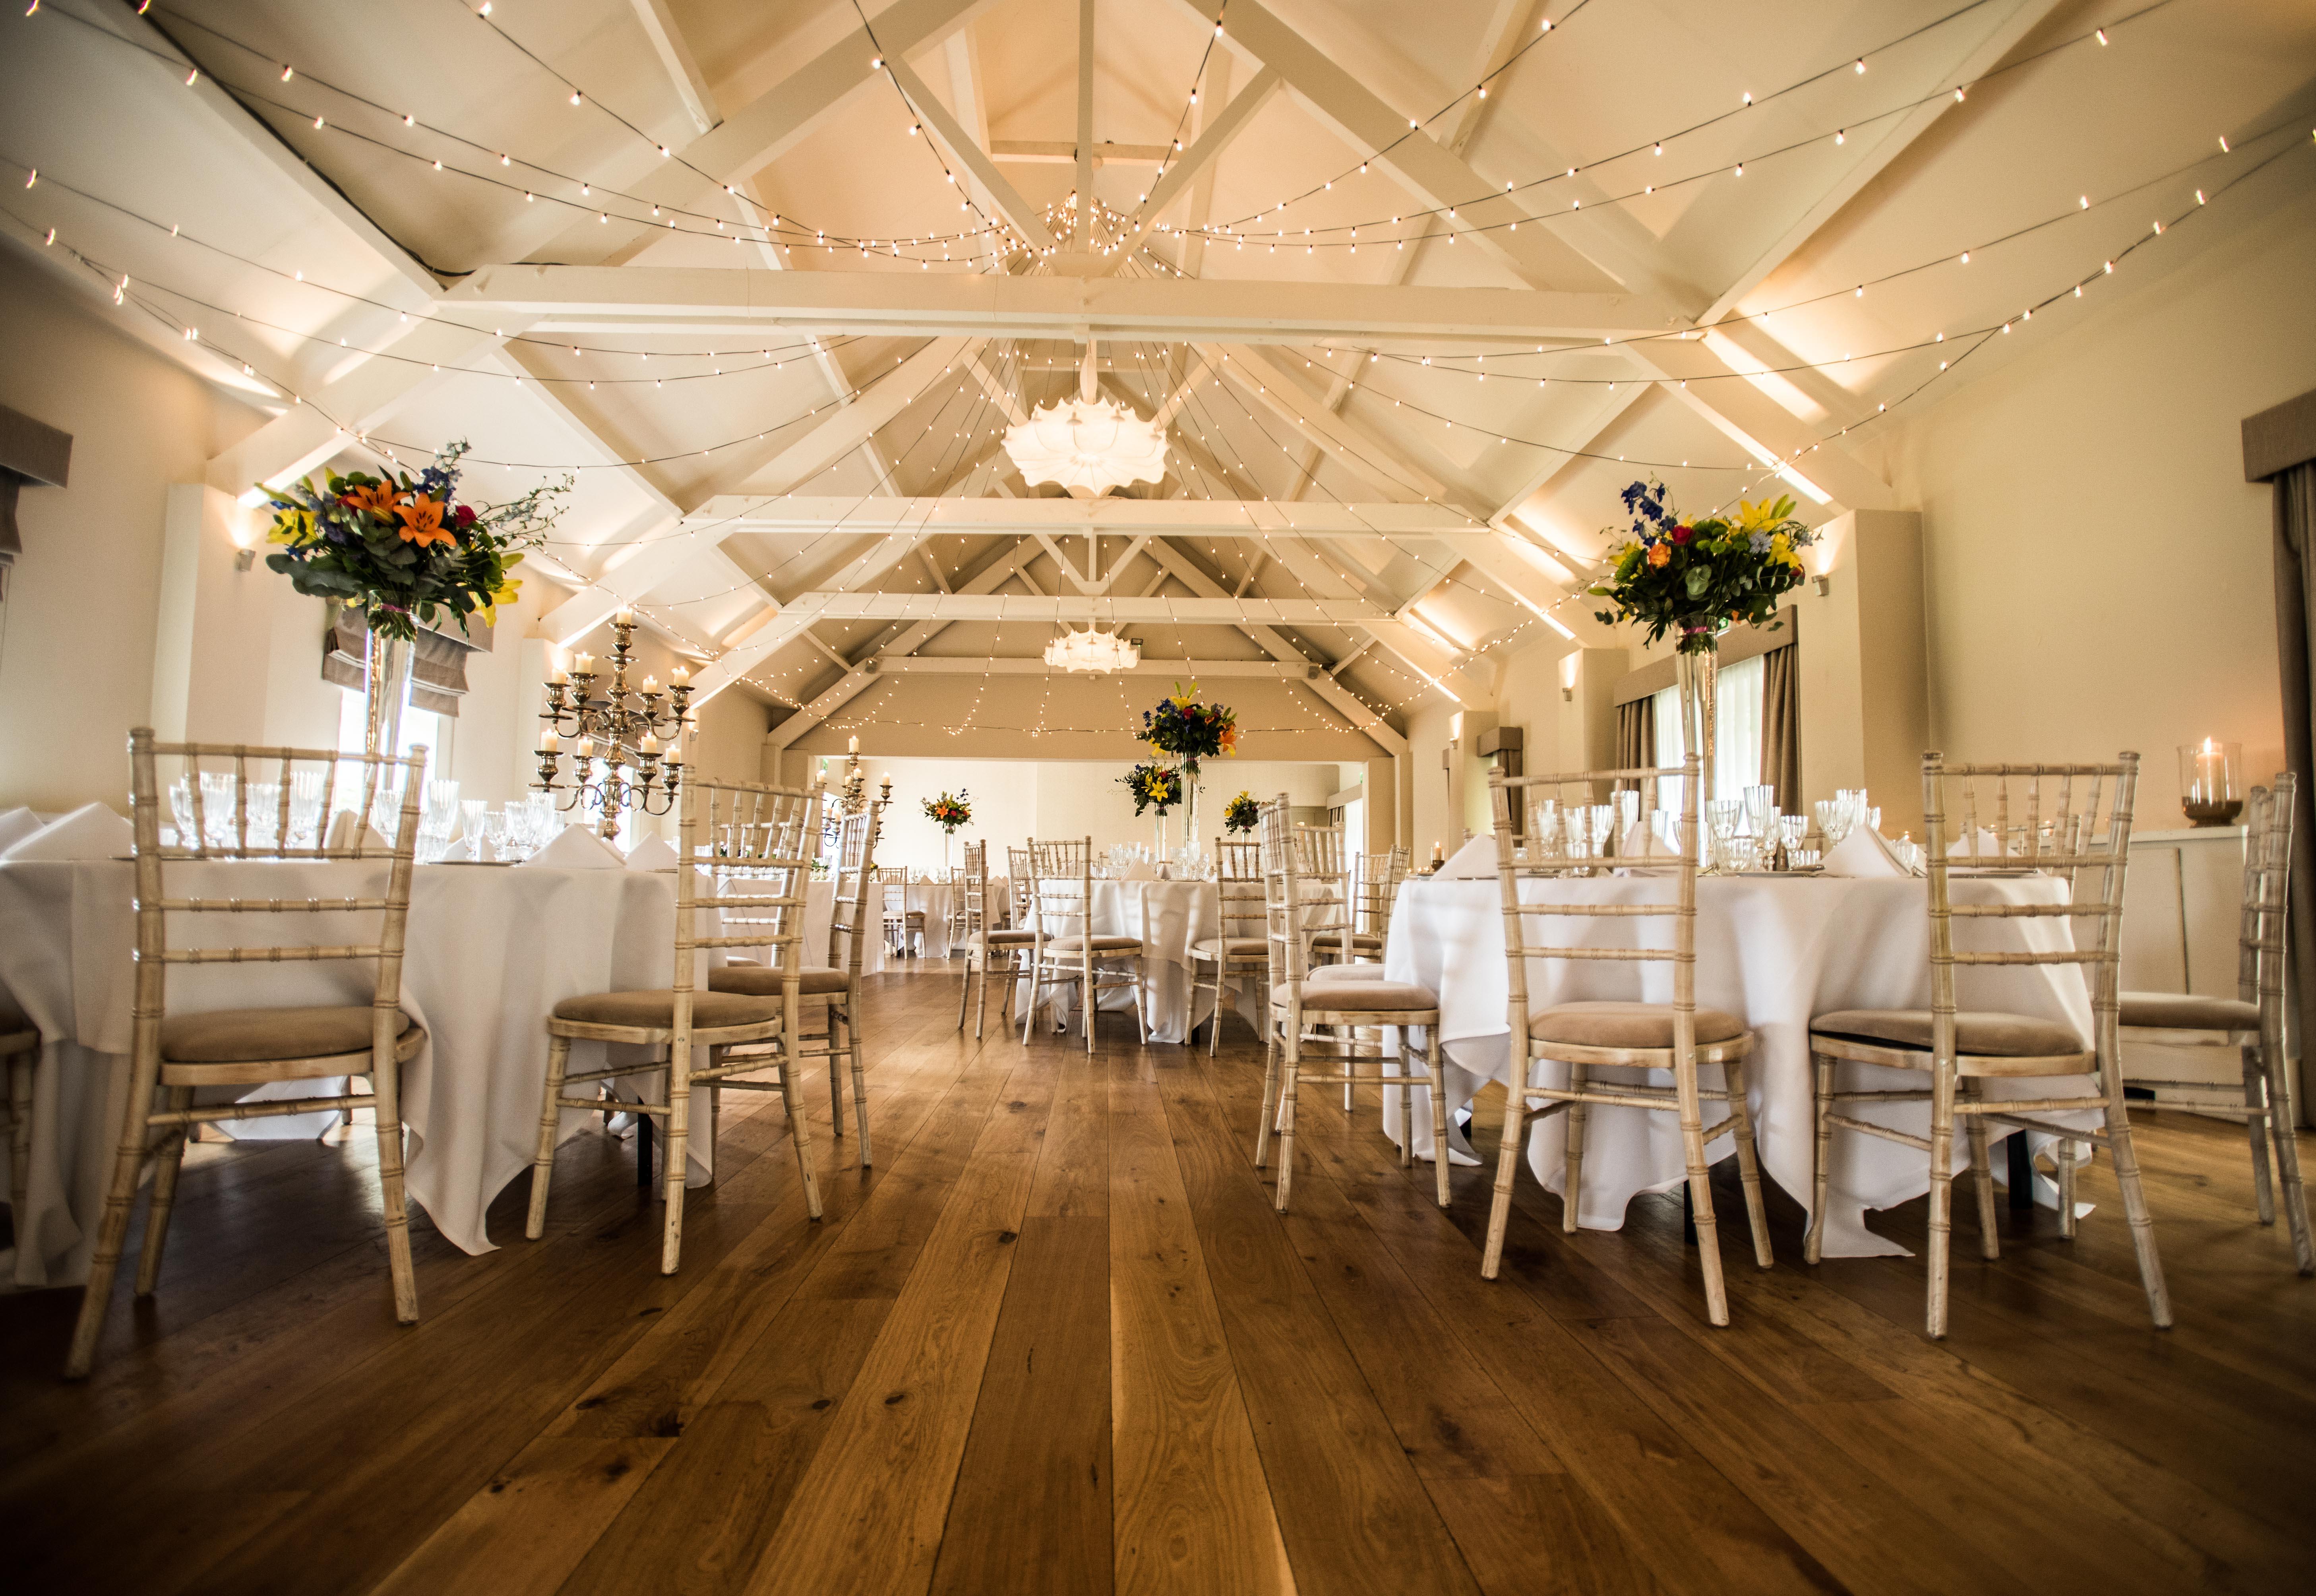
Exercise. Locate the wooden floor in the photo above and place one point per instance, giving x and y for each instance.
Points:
(1058, 1340)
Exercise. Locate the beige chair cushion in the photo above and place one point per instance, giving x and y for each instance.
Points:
(1345, 972)
(1100, 944)
(1362, 997)
(1006, 939)
(1233, 947)
(764, 980)
(1626, 1025)
(2156, 1011)
(1988, 1035)
(239, 1036)
(655, 1011)
(1364, 939)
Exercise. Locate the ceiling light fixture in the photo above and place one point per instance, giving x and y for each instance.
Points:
(1090, 650)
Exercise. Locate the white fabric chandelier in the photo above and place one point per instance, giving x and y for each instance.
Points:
(1091, 650)
(1088, 445)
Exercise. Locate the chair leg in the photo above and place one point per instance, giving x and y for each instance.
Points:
(2259, 1113)
(854, 1057)
(550, 1114)
(799, 1134)
(1435, 1097)
(1499, 1209)
(1572, 1182)
(1089, 995)
(1292, 1066)
(1822, 1147)
(981, 1001)
(20, 1143)
(2064, 1160)
(835, 1077)
(1749, 1162)
(2134, 1207)
(1942, 1118)
(386, 1085)
(1214, 1021)
(1269, 1088)
(964, 989)
(169, 1163)
(2287, 1162)
(1981, 1178)
(120, 1199)
(1700, 1190)
(675, 1156)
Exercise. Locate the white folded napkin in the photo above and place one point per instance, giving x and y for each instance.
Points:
(1990, 847)
(15, 825)
(89, 832)
(575, 848)
(1643, 844)
(1863, 854)
(341, 834)
(1139, 871)
(653, 853)
(1474, 860)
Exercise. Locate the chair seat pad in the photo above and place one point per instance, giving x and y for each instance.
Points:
(1364, 939)
(1987, 1034)
(1360, 997)
(655, 1011)
(1626, 1025)
(2155, 1010)
(247, 1035)
(1233, 947)
(1100, 945)
(1343, 972)
(1006, 939)
(764, 980)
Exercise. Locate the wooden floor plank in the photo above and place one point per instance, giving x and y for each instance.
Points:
(535, 1518)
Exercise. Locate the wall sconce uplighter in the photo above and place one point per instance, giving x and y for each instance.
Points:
(1824, 583)
(1570, 664)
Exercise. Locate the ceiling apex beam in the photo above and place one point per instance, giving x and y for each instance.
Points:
(968, 154)
(1085, 126)
(1213, 139)
(667, 40)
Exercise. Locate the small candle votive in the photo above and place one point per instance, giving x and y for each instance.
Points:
(548, 742)
(2210, 790)
(583, 664)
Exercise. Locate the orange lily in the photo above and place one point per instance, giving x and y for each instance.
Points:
(422, 523)
(381, 499)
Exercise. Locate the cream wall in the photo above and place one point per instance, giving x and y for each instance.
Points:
(2098, 572)
(78, 627)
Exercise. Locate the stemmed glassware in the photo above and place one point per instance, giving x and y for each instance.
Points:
(1722, 816)
(470, 816)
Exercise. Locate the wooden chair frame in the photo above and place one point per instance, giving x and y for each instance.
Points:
(1687, 1096)
(22, 1050)
(2260, 969)
(1062, 890)
(391, 1044)
(1238, 882)
(770, 846)
(901, 924)
(1291, 1021)
(983, 941)
(2071, 848)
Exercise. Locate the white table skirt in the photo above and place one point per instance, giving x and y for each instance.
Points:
(490, 951)
(1774, 952)
(1168, 916)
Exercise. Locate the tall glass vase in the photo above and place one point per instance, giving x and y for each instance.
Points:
(387, 688)
(1698, 669)
(1161, 836)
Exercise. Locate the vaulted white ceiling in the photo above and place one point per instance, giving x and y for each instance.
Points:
(1410, 338)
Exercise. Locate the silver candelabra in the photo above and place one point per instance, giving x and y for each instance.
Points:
(626, 745)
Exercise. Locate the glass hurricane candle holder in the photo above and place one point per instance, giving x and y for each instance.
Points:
(2209, 789)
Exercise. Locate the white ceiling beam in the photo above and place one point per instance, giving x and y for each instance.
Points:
(849, 426)
(1758, 423)
(1085, 126)
(1001, 195)
(1214, 137)
(852, 604)
(1191, 258)
(1264, 519)
(711, 299)
(1276, 670)
(675, 58)
(524, 361)
(1360, 452)
(1608, 406)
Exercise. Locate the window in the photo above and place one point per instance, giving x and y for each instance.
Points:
(1736, 732)
(418, 726)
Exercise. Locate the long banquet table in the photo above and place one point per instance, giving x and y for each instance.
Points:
(1774, 950)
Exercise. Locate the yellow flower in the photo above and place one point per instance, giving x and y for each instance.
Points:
(293, 527)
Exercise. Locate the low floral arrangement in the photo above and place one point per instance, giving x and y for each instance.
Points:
(1190, 730)
(1242, 813)
(403, 550)
(1155, 784)
(948, 811)
(1700, 578)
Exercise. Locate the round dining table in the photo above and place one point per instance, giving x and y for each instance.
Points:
(1775, 950)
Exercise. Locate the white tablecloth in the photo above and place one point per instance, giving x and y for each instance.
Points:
(1774, 952)
(1168, 916)
(491, 950)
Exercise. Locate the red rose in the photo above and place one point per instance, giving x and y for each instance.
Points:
(1683, 534)
(466, 516)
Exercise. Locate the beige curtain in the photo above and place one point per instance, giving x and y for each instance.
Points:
(2295, 601)
(437, 667)
(1636, 734)
(1781, 725)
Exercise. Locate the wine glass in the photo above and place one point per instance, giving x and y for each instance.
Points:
(306, 787)
(1792, 831)
(494, 832)
(1832, 821)
(1721, 818)
(470, 813)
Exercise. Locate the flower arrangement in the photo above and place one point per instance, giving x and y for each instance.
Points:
(948, 811)
(1190, 730)
(1155, 784)
(403, 550)
(1701, 576)
(1242, 813)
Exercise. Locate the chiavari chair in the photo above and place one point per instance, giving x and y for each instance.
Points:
(904, 927)
(983, 942)
(773, 832)
(243, 1048)
(832, 992)
(1298, 1005)
(1328, 872)
(1241, 946)
(1067, 951)
(1589, 1037)
(1960, 1050)
(2251, 1022)
(20, 1045)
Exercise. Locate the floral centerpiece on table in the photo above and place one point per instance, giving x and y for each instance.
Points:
(948, 811)
(1701, 576)
(405, 550)
(1153, 784)
(1190, 730)
(1242, 813)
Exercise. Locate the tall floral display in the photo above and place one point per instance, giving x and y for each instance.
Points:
(403, 551)
(1158, 786)
(948, 811)
(1697, 578)
(1188, 730)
